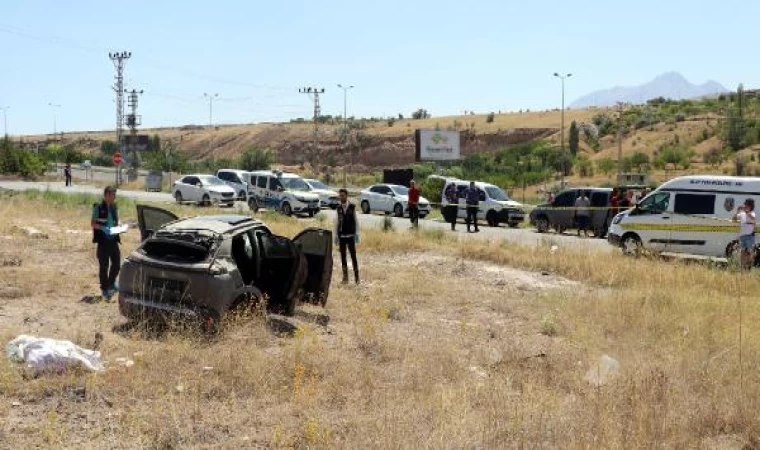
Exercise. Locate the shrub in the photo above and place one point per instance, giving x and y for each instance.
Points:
(391, 121)
(254, 158)
(490, 117)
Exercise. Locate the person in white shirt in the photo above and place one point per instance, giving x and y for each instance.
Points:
(745, 216)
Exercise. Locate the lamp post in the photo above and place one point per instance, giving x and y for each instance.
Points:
(5, 119)
(210, 98)
(562, 125)
(54, 106)
(345, 127)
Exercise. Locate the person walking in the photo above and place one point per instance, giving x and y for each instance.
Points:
(452, 205)
(582, 213)
(347, 233)
(414, 204)
(104, 217)
(67, 174)
(745, 216)
(472, 199)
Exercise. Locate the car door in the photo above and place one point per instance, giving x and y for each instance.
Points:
(651, 221)
(375, 197)
(693, 228)
(599, 210)
(150, 219)
(192, 189)
(283, 271)
(562, 216)
(315, 244)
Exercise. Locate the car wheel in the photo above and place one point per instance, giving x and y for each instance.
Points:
(631, 245)
(241, 195)
(286, 209)
(542, 224)
(311, 213)
(253, 204)
(491, 219)
(398, 210)
(365, 207)
(206, 201)
(178, 196)
(514, 224)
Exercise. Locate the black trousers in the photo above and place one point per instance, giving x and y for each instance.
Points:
(68, 180)
(450, 214)
(109, 260)
(414, 214)
(472, 216)
(348, 243)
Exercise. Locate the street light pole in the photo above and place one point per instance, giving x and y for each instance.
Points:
(210, 98)
(5, 119)
(562, 126)
(345, 127)
(54, 106)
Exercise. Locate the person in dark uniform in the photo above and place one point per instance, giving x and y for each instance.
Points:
(347, 233)
(104, 217)
(67, 174)
(452, 208)
(472, 198)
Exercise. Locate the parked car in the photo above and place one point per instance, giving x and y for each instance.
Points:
(203, 189)
(85, 165)
(239, 180)
(390, 198)
(271, 190)
(495, 206)
(560, 214)
(328, 198)
(202, 267)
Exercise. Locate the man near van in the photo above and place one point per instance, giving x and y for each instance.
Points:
(414, 204)
(104, 217)
(472, 199)
(452, 207)
(347, 233)
(745, 216)
(582, 213)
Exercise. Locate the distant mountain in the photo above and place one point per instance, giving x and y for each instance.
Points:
(671, 85)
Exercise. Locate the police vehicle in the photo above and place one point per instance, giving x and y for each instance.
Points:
(270, 189)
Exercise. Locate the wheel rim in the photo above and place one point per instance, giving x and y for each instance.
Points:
(631, 246)
(253, 204)
(206, 199)
(542, 225)
(178, 196)
(286, 209)
(365, 207)
(399, 212)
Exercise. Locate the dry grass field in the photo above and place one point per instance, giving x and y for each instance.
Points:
(445, 345)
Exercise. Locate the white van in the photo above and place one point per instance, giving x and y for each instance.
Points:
(239, 180)
(690, 215)
(495, 206)
(270, 190)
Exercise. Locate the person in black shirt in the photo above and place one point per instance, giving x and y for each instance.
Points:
(347, 233)
(104, 217)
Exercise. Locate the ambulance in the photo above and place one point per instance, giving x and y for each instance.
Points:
(689, 215)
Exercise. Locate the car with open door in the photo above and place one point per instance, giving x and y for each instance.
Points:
(204, 266)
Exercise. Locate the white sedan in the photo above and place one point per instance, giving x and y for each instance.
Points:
(390, 198)
(203, 189)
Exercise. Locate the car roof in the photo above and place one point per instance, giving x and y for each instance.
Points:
(232, 170)
(218, 224)
(200, 175)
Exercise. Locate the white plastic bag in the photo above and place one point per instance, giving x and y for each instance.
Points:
(43, 354)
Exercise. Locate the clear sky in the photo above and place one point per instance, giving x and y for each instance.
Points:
(446, 56)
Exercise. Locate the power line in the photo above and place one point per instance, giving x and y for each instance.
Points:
(314, 92)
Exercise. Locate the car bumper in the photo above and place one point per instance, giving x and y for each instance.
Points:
(332, 204)
(614, 239)
(301, 208)
(423, 210)
(135, 308)
(507, 216)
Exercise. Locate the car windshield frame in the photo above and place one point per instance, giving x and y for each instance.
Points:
(211, 180)
(400, 190)
(316, 184)
(501, 194)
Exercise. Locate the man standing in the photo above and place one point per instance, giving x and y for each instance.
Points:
(472, 198)
(582, 214)
(104, 217)
(414, 204)
(347, 233)
(745, 215)
(67, 174)
(452, 207)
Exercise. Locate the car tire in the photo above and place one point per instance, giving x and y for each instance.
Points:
(365, 207)
(491, 219)
(631, 245)
(286, 209)
(398, 210)
(206, 200)
(311, 213)
(178, 196)
(513, 224)
(253, 204)
(241, 195)
(542, 224)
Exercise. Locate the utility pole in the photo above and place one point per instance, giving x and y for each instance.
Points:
(345, 129)
(314, 92)
(210, 98)
(55, 120)
(133, 121)
(562, 127)
(118, 59)
(620, 142)
(5, 119)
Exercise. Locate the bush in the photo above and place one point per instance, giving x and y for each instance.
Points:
(490, 117)
(255, 159)
(15, 161)
(391, 121)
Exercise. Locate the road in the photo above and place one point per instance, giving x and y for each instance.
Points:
(522, 236)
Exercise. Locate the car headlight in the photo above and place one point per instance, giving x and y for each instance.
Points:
(301, 199)
(617, 219)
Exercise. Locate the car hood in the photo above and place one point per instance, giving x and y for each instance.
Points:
(324, 192)
(221, 189)
(309, 196)
(510, 204)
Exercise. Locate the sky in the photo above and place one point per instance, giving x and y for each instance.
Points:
(444, 56)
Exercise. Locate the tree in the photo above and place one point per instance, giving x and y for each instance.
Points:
(585, 167)
(108, 148)
(605, 165)
(254, 158)
(733, 130)
(421, 114)
(640, 161)
(713, 157)
(574, 138)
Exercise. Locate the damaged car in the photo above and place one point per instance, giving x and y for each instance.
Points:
(202, 267)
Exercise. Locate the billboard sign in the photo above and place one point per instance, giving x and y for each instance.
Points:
(436, 145)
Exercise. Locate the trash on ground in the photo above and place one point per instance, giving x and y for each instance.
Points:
(603, 371)
(124, 362)
(33, 233)
(44, 354)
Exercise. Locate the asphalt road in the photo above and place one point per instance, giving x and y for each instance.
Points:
(524, 236)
